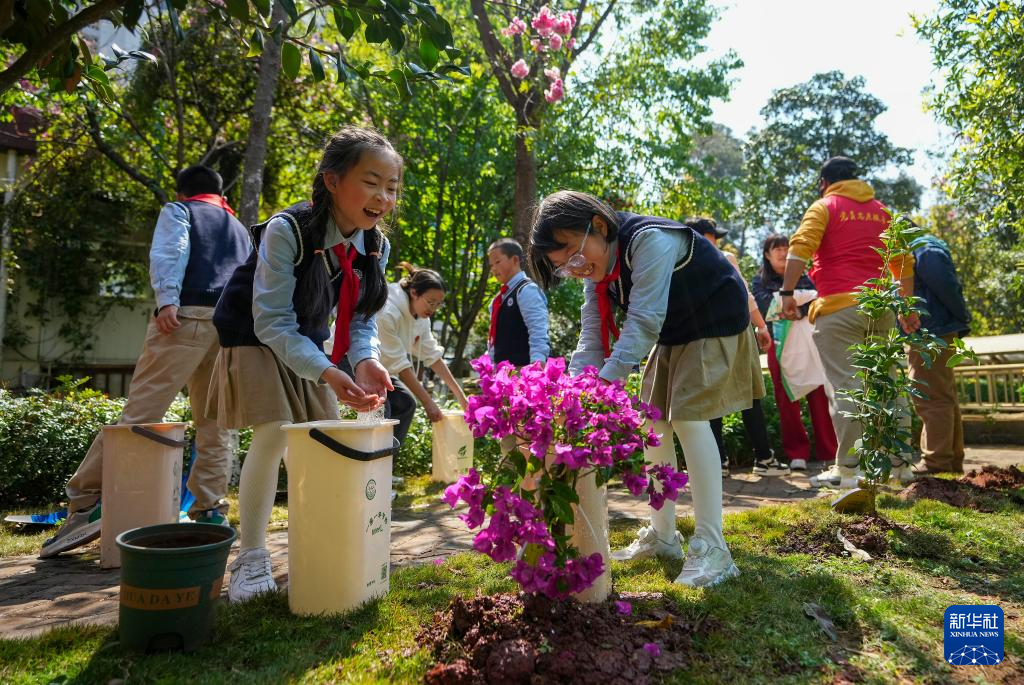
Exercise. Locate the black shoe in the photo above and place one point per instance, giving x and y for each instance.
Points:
(767, 463)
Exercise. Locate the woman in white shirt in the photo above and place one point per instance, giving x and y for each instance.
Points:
(407, 343)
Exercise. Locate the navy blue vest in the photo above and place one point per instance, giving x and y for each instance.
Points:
(511, 337)
(707, 298)
(233, 316)
(218, 244)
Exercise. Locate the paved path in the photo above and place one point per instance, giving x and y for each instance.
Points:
(37, 595)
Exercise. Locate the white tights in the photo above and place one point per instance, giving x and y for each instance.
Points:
(705, 470)
(258, 483)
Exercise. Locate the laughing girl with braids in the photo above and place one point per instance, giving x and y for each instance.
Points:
(273, 320)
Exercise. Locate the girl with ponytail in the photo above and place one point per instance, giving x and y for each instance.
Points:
(272, 320)
(407, 342)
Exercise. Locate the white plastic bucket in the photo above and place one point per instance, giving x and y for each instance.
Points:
(141, 481)
(452, 447)
(589, 533)
(339, 514)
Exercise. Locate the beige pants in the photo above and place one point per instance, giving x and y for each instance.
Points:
(942, 435)
(168, 363)
(833, 335)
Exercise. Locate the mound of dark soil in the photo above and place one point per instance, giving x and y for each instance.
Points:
(995, 478)
(868, 533)
(952, 492)
(522, 638)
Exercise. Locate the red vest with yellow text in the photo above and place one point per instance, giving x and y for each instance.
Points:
(846, 257)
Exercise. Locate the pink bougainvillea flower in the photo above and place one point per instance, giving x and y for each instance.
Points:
(515, 27)
(438, 561)
(555, 92)
(553, 73)
(624, 608)
(652, 649)
(519, 69)
(544, 22)
(555, 42)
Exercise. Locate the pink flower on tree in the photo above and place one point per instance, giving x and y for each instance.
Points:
(555, 92)
(538, 45)
(544, 22)
(565, 23)
(519, 69)
(516, 27)
(553, 74)
(555, 42)
(570, 44)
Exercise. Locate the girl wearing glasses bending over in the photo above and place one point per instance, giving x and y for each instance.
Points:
(404, 330)
(679, 295)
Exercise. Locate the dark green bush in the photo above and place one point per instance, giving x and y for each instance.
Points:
(43, 437)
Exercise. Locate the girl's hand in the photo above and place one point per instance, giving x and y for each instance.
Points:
(373, 378)
(434, 412)
(348, 391)
(764, 339)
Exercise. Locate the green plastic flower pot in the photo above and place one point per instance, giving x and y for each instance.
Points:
(171, 578)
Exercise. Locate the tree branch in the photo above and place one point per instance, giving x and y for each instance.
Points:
(51, 41)
(494, 50)
(115, 157)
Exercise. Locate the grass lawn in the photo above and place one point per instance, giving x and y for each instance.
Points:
(888, 612)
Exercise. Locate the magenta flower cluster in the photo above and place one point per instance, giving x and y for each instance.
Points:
(564, 426)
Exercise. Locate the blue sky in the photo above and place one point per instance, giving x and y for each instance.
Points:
(785, 42)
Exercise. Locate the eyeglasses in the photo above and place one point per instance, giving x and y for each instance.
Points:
(434, 304)
(576, 261)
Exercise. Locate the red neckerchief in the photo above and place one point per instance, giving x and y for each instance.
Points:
(495, 308)
(212, 199)
(348, 294)
(604, 305)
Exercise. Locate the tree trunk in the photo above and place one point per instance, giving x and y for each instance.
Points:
(259, 128)
(524, 200)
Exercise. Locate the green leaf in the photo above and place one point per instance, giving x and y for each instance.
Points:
(255, 44)
(172, 14)
(429, 52)
(262, 6)
(316, 65)
(562, 509)
(398, 77)
(291, 60)
(375, 32)
(239, 9)
(289, 7)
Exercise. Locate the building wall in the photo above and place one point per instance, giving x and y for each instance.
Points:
(116, 344)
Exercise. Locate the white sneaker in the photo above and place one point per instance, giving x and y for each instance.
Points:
(251, 575)
(829, 478)
(797, 464)
(648, 544)
(902, 475)
(706, 565)
(849, 477)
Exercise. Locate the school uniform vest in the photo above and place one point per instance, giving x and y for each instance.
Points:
(511, 337)
(233, 316)
(218, 244)
(707, 298)
(846, 257)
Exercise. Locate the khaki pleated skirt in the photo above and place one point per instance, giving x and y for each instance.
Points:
(703, 379)
(250, 386)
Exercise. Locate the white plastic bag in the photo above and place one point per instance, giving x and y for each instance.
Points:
(801, 367)
(452, 447)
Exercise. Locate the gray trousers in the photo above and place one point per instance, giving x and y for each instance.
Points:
(833, 335)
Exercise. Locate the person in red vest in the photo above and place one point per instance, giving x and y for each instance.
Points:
(840, 232)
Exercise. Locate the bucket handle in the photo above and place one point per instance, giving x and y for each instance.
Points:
(157, 437)
(346, 451)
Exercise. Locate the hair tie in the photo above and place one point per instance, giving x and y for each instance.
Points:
(318, 251)
(378, 255)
